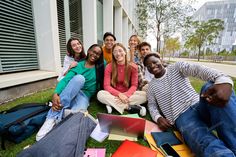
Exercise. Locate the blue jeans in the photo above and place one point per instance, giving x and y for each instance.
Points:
(196, 125)
(71, 97)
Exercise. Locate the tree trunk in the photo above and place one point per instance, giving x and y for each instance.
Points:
(199, 51)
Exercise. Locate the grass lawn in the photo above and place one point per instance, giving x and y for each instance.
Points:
(44, 96)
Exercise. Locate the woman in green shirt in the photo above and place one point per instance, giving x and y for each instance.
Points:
(75, 90)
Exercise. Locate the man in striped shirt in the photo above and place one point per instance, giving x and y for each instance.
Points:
(173, 101)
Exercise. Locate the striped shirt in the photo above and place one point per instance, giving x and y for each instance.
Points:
(172, 94)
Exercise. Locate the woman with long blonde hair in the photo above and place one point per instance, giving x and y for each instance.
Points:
(120, 84)
(134, 41)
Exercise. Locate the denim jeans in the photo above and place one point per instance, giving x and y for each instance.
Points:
(196, 125)
(71, 97)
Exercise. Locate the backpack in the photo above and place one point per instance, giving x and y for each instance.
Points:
(18, 123)
(66, 139)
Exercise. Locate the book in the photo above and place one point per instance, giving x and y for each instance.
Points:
(165, 137)
(130, 148)
(98, 134)
(95, 152)
(182, 149)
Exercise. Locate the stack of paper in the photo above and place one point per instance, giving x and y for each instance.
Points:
(99, 135)
(120, 135)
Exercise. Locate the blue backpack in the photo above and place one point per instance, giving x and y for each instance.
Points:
(18, 123)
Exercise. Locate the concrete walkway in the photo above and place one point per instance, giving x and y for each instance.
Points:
(229, 68)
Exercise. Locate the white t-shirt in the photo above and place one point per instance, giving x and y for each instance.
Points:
(67, 62)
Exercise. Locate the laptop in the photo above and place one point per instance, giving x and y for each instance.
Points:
(127, 124)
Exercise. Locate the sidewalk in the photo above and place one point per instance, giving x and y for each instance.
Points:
(228, 68)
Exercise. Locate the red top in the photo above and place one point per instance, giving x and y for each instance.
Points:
(120, 88)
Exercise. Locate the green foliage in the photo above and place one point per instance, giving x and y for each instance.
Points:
(204, 33)
(184, 54)
(142, 14)
(172, 45)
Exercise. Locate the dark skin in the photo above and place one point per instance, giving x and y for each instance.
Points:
(217, 95)
(93, 56)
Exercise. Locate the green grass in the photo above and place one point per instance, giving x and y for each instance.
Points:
(95, 107)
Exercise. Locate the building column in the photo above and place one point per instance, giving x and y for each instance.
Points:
(125, 36)
(89, 17)
(108, 16)
(118, 24)
(67, 19)
(130, 31)
(47, 34)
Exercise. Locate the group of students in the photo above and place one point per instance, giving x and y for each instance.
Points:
(125, 80)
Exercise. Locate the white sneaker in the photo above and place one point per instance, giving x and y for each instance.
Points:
(109, 108)
(46, 127)
(143, 111)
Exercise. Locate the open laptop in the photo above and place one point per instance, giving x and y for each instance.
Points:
(127, 124)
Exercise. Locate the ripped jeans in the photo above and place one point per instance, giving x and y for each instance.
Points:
(196, 125)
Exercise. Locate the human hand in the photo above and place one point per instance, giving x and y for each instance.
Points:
(163, 123)
(56, 104)
(124, 99)
(73, 64)
(218, 94)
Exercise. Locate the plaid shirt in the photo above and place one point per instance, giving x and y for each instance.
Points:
(141, 74)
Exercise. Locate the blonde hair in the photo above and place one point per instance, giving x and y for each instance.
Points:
(137, 37)
(114, 74)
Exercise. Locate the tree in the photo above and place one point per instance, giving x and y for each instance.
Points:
(142, 14)
(204, 32)
(172, 45)
(166, 16)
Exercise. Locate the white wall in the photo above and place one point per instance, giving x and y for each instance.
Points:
(108, 16)
(47, 36)
(89, 17)
(118, 24)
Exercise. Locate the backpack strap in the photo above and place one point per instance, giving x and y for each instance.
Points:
(27, 116)
(23, 106)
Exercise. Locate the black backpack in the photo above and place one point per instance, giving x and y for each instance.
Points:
(18, 123)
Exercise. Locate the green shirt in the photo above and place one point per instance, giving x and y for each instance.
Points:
(89, 74)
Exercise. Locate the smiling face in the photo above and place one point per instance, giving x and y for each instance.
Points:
(144, 50)
(119, 54)
(94, 54)
(76, 46)
(133, 42)
(155, 67)
(109, 42)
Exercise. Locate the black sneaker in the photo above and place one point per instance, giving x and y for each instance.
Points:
(137, 109)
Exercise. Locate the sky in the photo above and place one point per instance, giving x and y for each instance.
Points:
(197, 4)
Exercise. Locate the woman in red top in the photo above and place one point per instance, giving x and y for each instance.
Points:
(120, 84)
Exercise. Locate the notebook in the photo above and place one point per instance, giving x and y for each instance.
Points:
(131, 149)
(95, 152)
(182, 149)
(126, 124)
(165, 137)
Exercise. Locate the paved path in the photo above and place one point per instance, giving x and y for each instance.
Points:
(226, 68)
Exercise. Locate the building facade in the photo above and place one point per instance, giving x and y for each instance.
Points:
(226, 11)
(33, 36)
